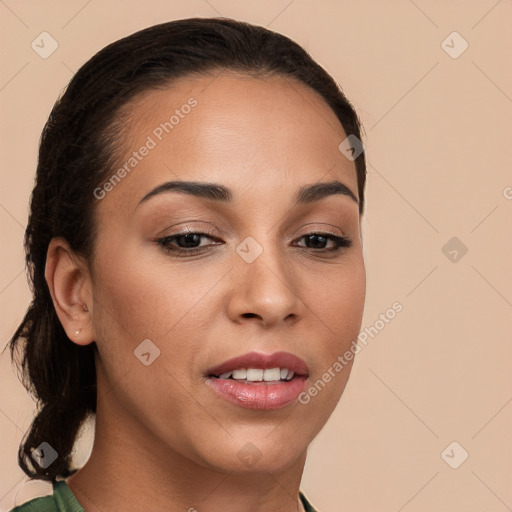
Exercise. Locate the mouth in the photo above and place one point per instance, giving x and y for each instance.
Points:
(260, 381)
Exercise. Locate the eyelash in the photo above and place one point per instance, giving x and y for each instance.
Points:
(340, 242)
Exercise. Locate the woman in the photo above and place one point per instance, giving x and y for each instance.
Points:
(195, 251)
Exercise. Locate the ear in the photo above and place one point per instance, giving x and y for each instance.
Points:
(70, 286)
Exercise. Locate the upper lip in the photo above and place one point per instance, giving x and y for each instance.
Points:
(263, 361)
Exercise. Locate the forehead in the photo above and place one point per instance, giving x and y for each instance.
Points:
(239, 130)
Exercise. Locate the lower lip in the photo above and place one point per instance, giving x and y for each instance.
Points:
(259, 395)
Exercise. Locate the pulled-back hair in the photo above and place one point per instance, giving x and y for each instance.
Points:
(76, 155)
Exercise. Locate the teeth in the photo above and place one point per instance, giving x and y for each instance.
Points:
(254, 375)
(240, 374)
(258, 375)
(272, 374)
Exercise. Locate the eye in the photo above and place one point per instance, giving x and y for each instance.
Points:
(318, 241)
(187, 242)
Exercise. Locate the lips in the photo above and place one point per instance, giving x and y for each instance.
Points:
(262, 361)
(259, 394)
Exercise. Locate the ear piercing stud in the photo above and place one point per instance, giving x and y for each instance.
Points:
(85, 308)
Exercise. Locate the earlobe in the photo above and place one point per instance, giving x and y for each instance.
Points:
(70, 287)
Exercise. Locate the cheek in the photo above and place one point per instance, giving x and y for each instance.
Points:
(337, 303)
(132, 289)
(137, 298)
(337, 299)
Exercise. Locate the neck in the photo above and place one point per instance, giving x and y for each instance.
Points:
(125, 475)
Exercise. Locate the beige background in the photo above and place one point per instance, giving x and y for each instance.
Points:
(438, 146)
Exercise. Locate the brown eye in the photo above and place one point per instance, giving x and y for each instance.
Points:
(185, 243)
(318, 241)
(189, 240)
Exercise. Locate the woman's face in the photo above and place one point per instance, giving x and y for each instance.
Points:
(165, 319)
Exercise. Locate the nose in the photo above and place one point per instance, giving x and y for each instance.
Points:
(265, 291)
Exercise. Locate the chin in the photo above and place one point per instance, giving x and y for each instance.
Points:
(251, 454)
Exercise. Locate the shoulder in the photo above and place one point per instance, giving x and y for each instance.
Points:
(44, 504)
(62, 500)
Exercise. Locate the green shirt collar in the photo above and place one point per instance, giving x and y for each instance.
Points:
(63, 500)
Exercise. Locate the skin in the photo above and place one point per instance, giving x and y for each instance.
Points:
(162, 436)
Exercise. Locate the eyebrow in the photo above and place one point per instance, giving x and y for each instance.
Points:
(214, 191)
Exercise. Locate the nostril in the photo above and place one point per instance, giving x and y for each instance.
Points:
(250, 315)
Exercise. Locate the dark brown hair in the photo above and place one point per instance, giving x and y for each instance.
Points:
(76, 154)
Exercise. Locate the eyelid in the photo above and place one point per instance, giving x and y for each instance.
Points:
(315, 227)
